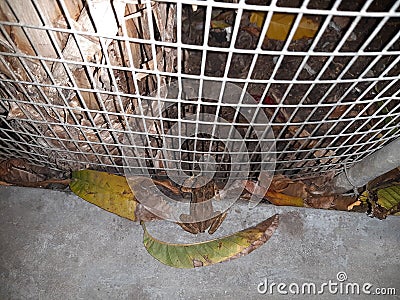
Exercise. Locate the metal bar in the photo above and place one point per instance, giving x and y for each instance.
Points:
(372, 166)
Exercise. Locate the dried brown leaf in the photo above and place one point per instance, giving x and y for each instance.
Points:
(274, 197)
(325, 202)
(168, 185)
(284, 185)
(344, 202)
(19, 172)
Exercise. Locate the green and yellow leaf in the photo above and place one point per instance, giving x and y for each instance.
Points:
(383, 194)
(213, 251)
(109, 192)
(389, 197)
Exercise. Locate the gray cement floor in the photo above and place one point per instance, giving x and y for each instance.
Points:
(54, 245)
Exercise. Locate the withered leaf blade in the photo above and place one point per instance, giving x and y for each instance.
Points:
(211, 252)
(276, 198)
(16, 171)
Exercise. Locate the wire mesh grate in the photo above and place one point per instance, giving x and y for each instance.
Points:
(79, 78)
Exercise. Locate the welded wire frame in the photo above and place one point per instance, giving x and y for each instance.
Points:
(72, 91)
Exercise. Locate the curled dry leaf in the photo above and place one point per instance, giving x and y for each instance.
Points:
(325, 202)
(167, 184)
(384, 180)
(345, 202)
(276, 198)
(20, 172)
(213, 251)
(284, 185)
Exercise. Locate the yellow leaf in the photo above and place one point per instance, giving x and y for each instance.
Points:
(109, 192)
(364, 197)
(220, 24)
(283, 199)
(257, 18)
(213, 251)
(281, 23)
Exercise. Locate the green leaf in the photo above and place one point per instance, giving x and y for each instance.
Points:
(389, 197)
(213, 251)
(383, 194)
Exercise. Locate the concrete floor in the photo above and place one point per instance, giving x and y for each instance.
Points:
(54, 245)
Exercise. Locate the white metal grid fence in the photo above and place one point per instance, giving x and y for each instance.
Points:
(77, 76)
